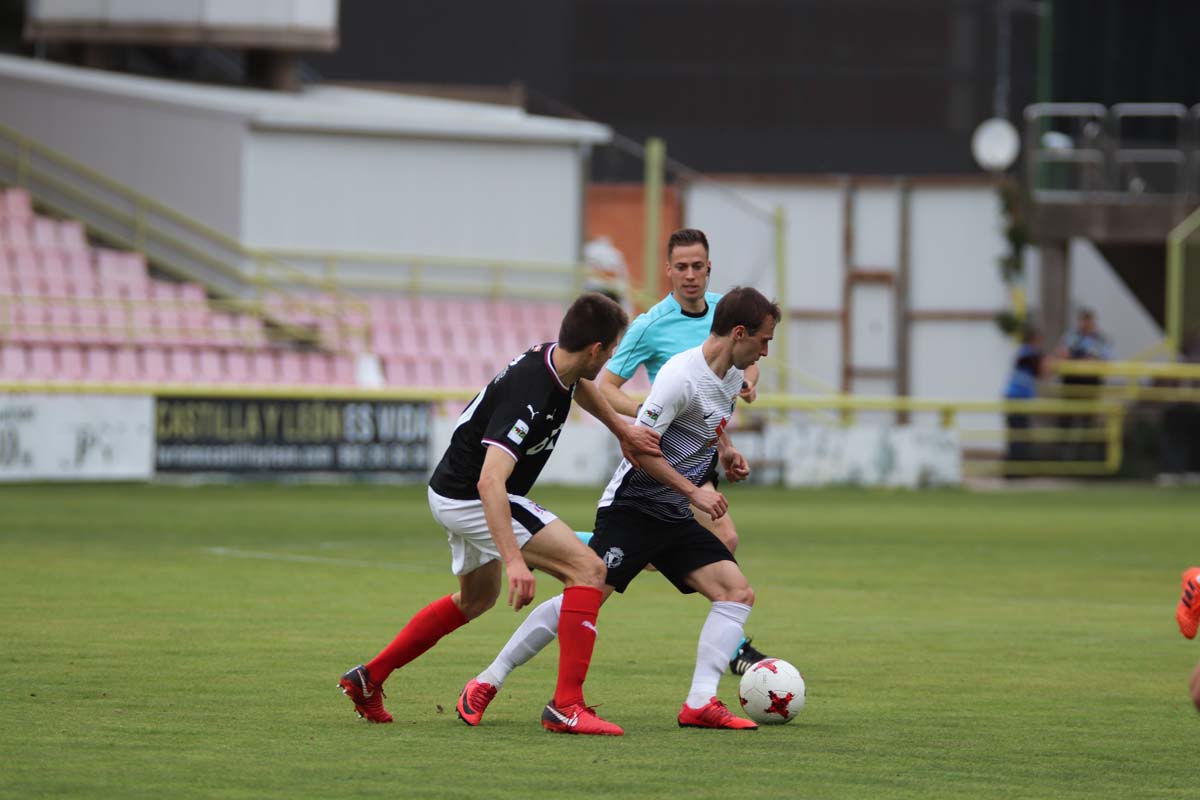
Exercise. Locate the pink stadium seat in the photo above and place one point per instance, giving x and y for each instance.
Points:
(379, 308)
(209, 367)
(221, 329)
(71, 236)
(14, 362)
(399, 371)
(126, 366)
(317, 369)
(44, 233)
(163, 290)
(16, 232)
(142, 323)
(70, 363)
(29, 322)
(343, 370)
(88, 322)
(250, 332)
(264, 367)
(154, 365)
(114, 322)
(60, 317)
(181, 365)
(98, 363)
(427, 373)
(237, 367)
(42, 365)
(382, 343)
(15, 204)
(168, 324)
(291, 367)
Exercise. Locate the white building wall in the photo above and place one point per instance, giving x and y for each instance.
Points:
(330, 191)
(187, 159)
(955, 241)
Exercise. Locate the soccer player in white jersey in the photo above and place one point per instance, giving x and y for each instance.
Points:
(645, 513)
(679, 321)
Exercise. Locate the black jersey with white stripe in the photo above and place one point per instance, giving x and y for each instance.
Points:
(521, 412)
(689, 406)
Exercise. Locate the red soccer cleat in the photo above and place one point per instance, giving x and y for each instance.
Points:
(579, 719)
(474, 701)
(366, 695)
(1187, 613)
(714, 715)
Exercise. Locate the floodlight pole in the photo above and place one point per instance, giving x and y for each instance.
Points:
(655, 159)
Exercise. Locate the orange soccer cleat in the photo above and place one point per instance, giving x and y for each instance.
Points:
(474, 701)
(577, 718)
(1187, 613)
(714, 715)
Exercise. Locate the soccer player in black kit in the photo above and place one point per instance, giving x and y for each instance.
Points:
(478, 494)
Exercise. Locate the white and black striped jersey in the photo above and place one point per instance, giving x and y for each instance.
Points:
(522, 412)
(688, 406)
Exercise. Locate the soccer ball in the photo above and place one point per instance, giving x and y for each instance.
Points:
(772, 692)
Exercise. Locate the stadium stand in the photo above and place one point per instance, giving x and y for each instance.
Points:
(70, 311)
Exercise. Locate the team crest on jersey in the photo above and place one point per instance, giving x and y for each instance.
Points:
(652, 411)
(613, 557)
(520, 430)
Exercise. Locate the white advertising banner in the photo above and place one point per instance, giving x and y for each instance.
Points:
(899, 457)
(76, 437)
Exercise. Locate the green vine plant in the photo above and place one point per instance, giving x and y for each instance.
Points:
(1012, 320)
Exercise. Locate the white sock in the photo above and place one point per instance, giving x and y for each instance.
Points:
(721, 633)
(537, 631)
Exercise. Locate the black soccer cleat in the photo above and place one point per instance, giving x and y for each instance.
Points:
(745, 658)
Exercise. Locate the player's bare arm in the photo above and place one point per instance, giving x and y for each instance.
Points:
(636, 440)
(736, 467)
(497, 466)
(709, 501)
(610, 384)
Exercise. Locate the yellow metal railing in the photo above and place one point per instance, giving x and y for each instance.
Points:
(407, 272)
(118, 214)
(1108, 416)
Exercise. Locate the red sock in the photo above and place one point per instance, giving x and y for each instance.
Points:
(421, 633)
(576, 638)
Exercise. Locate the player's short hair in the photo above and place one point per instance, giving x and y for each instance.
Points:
(684, 237)
(743, 305)
(591, 318)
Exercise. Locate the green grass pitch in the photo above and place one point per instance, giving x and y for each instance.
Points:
(168, 642)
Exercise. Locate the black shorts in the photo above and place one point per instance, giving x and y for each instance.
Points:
(627, 540)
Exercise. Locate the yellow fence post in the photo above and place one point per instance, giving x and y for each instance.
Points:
(656, 155)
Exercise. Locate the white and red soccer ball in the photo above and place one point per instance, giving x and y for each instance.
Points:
(772, 692)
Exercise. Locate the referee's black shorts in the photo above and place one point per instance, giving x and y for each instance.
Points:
(627, 540)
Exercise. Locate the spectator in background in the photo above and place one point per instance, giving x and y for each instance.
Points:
(606, 271)
(1031, 364)
(1084, 343)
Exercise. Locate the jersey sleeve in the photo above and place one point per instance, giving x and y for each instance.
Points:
(635, 349)
(669, 395)
(508, 427)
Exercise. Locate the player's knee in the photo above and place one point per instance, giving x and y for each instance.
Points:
(744, 595)
(588, 570)
(476, 606)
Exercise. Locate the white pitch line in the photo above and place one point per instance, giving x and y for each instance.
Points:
(229, 552)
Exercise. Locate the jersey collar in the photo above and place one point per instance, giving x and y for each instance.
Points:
(550, 366)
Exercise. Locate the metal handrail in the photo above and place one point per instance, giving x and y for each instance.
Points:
(139, 221)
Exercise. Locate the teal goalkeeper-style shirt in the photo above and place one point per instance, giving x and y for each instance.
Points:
(663, 331)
